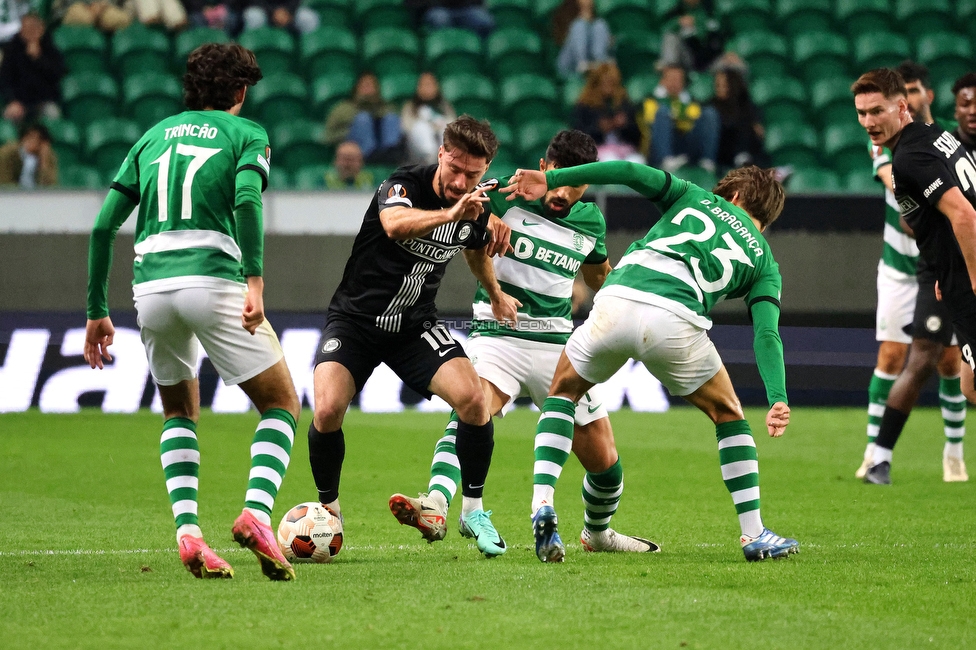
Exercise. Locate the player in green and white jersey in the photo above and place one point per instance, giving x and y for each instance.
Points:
(197, 179)
(554, 238)
(654, 307)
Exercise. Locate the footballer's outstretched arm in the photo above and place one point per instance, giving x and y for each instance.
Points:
(401, 222)
(768, 347)
(649, 181)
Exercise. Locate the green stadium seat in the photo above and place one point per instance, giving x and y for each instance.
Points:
(310, 177)
(765, 52)
(701, 86)
(151, 97)
(642, 86)
(189, 40)
(948, 55)
(571, 92)
(506, 136)
(513, 51)
(326, 50)
(746, 15)
(880, 49)
(79, 177)
(509, 13)
(966, 9)
(329, 89)
(474, 94)
(84, 48)
(279, 179)
(637, 53)
(453, 51)
(398, 87)
(862, 181)
(527, 96)
(799, 16)
(66, 139)
(695, 174)
(89, 96)
(626, 16)
(863, 16)
(137, 49)
(924, 16)
(277, 98)
(505, 164)
(793, 144)
(334, 13)
(377, 14)
(845, 146)
(380, 172)
(390, 49)
(821, 55)
(273, 47)
(534, 136)
(944, 106)
(779, 96)
(107, 142)
(831, 101)
(813, 180)
(542, 9)
(299, 142)
(8, 131)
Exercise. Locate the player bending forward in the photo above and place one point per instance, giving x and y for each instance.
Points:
(197, 178)
(654, 307)
(521, 361)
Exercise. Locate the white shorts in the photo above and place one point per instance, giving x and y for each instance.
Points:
(518, 367)
(896, 306)
(674, 350)
(172, 322)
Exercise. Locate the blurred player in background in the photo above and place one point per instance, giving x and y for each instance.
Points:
(197, 179)
(384, 312)
(654, 307)
(556, 237)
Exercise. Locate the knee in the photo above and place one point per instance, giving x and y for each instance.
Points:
(328, 415)
(725, 410)
(472, 408)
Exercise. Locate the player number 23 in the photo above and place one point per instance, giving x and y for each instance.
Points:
(198, 155)
(733, 252)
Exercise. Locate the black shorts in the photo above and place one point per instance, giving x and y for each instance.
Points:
(414, 356)
(932, 320)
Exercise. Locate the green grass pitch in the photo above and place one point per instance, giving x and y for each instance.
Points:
(88, 556)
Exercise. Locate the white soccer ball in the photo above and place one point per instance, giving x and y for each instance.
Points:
(310, 532)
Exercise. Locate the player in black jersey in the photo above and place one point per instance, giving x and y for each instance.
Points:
(932, 342)
(934, 179)
(383, 311)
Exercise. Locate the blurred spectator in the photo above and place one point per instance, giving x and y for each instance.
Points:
(604, 112)
(169, 13)
(369, 120)
(215, 14)
(423, 119)
(680, 129)
(466, 14)
(106, 15)
(692, 36)
(287, 14)
(30, 73)
(347, 171)
(583, 38)
(11, 11)
(741, 132)
(30, 161)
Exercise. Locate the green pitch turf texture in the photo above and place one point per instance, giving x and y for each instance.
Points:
(88, 557)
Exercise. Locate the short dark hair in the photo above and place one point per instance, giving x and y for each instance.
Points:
(968, 80)
(214, 74)
(880, 80)
(34, 127)
(911, 72)
(760, 194)
(570, 148)
(472, 136)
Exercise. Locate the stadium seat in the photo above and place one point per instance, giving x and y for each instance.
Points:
(845, 146)
(274, 48)
(66, 140)
(821, 55)
(924, 16)
(528, 96)
(189, 40)
(765, 52)
(779, 95)
(701, 86)
(138, 49)
(83, 48)
(279, 179)
(831, 101)
(299, 142)
(799, 16)
(813, 180)
(534, 136)
(513, 51)
(329, 89)
(542, 10)
(79, 177)
(388, 50)
(642, 86)
(637, 53)
(571, 92)
(326, 50)
(861, 181)
(793, 144)
(398, 87)
(8, 132)
(626, 16)
(334, 13)
(150, 97)
(377, 14)
(697, 175)
(277, 98)
(947, 55)
(89, 96)
(453, 51)
(506, 137)
(509, 13)
(746, 15)
(863, 16)
(310, 177)
(107, 142)
(966, 9)
(380, 172)
(944, 106)
(880, 49)
(473, 94)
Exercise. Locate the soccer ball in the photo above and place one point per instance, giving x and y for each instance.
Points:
(309, 532)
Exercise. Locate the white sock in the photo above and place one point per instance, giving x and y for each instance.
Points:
(439, 499)
(952, 450)
(542, 494)
(880, 455)
(751, 524)
(188, 529)
(470, 504)
(334, 507)
(869, 451)
(260, 515)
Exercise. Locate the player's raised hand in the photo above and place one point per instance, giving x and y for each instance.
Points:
(469, 207)
(253, 313)
(99, 334)
(527, 183)
(505, 309)
(501, 233)
(777, 419)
